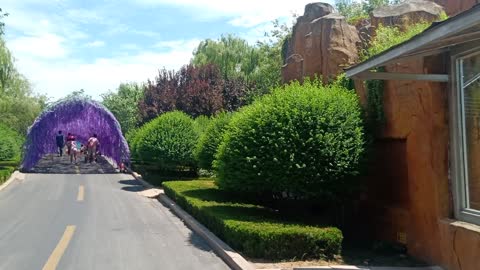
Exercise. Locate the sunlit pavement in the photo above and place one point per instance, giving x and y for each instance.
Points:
(92, 221)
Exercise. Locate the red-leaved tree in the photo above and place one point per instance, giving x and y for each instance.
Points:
(193, 90)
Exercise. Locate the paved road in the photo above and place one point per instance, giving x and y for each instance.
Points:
(93, 221)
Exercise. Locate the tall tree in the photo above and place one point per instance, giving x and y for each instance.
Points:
(195, 90)
(232, 55)
(258, 66)
(19, 106)
(124, 105)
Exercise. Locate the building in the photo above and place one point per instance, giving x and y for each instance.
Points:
(426, 185)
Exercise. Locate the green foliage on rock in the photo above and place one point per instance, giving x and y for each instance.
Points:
(210, 140)
(10, 144)
(252, 229)
(385, 38)
(302, 141)
(389, 36)
(354, 10)
(166, 142)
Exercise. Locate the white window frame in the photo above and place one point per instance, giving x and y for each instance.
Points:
(459, 164)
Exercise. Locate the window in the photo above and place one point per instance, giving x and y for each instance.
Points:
(467, 141)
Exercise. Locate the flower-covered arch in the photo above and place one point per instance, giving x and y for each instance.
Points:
(82, 117)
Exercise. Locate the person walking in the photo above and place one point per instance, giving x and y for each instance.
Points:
(60, 140)
(70, 140)
(92, 145)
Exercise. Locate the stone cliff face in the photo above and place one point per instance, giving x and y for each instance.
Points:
(323, 43)
(412, 11)
(453, 7)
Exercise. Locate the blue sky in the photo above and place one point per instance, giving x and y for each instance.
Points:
(66, 45)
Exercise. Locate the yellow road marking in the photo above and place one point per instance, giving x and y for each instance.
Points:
(77, 169)
(57, 253)
(81, 193)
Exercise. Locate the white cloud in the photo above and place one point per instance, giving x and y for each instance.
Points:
(42, 46)
(96, 43)
(59, 78)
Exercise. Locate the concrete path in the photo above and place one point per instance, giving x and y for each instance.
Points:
(93, 221)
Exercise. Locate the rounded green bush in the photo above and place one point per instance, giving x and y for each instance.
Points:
(210, 140)
(167, 141)
(303, 141)
(201, 123)
(10, 144)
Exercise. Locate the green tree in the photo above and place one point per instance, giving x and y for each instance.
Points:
(233, 55)
(259, 65)
(2, 24)
(124, 105)
(272, 54)
(19, 106)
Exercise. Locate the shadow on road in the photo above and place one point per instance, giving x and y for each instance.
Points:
(131, 185)
(198, 242)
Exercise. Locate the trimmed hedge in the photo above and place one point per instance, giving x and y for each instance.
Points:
(166, 142)
(10, 144)
(201, 123)
(256, 231)
(303, 141)
(5, 173)
(210, 140)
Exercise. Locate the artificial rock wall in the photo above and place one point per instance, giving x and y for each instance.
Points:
(409, 191)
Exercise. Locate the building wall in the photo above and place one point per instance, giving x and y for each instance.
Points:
(413, 168)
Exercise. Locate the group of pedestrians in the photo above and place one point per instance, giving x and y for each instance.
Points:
(76, 148)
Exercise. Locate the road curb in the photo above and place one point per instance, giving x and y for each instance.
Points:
(233, 259)
(15, 175)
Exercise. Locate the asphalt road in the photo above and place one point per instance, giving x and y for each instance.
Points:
(93, 221)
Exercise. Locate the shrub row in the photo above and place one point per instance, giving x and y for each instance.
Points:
(10, 144)
(303, 141)
(251, 229)
(5, 173)
(166, 143)
(210, 140)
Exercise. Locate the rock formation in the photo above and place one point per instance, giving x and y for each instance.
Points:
(412, 11)
(453, 7)
(322, 44)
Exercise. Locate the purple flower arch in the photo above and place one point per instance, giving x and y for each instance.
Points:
(82, 117)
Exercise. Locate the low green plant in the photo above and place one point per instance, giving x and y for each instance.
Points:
(254, 230)
(166, 142)
(210, 140)
(5, 172)
(302, 142)
(10, 144)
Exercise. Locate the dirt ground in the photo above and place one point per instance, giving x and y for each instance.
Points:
(357, 257)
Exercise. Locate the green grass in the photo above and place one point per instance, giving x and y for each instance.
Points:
(254, 230)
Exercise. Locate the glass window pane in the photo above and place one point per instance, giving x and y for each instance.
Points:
(471, 96)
